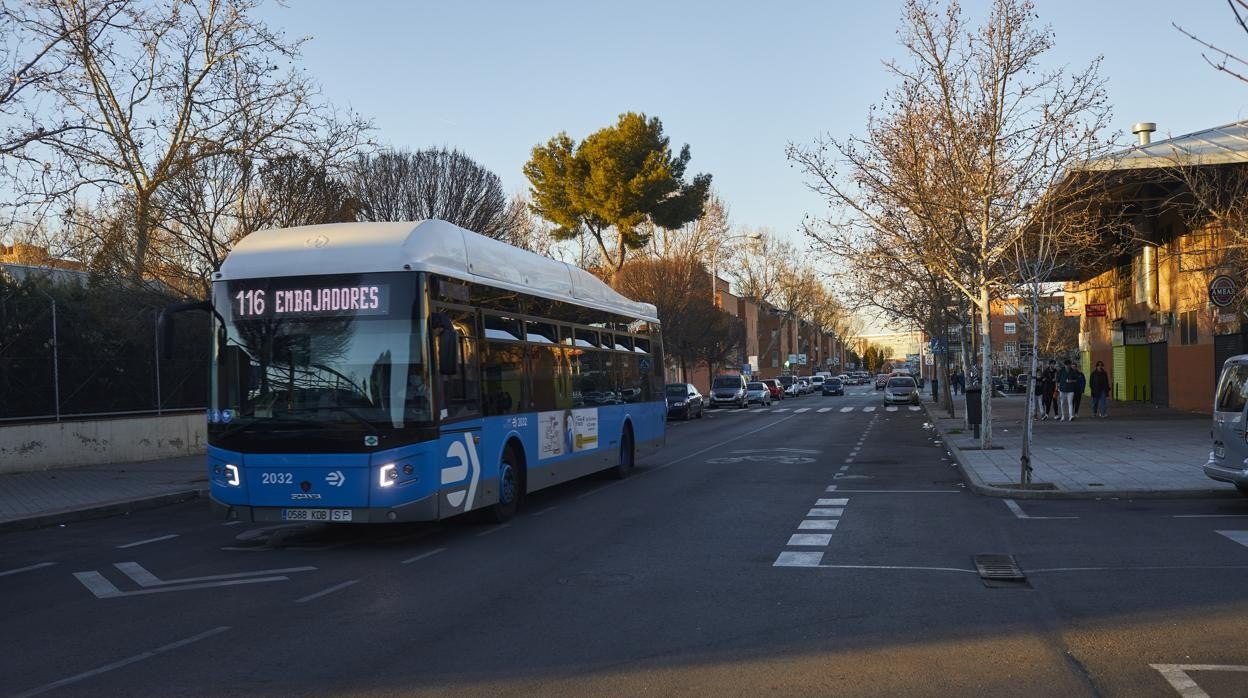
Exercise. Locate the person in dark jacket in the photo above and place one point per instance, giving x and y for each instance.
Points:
(1048, 385)
(1099, 385)
(1079, 388)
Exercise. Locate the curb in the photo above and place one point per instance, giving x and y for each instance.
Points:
(100, 511)
(978, 486)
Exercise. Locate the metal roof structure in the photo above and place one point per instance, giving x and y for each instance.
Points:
(1220, 145)
(430, 245)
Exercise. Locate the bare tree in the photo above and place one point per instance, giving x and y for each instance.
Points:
(434, 183)
(976, 131)
(154, 90)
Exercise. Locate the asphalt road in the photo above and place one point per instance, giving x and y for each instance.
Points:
(715, 570)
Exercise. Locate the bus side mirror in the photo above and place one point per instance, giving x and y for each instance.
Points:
(165, 324)
(447, 343)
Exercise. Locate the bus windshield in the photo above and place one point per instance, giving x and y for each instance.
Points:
(325, 358)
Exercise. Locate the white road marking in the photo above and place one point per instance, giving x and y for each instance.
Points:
(124, 662)
(901, 491)
(1176, 675)
(818, 524)
(493, 529)
(1018, 512)
(1240, 537)
(143, 578)
(844, 468)
(891, 408)
(831, 488)
(898, 567)
(838, 511)
(1211, 516)
(849, 460)
(801, 410)
(915, 408)
(326, 592)
(27, 568)
(781, 409)
(232, 523)
(760, 409)
(145, 542)
(773, 450)
(855, 451)
(824, 409)
(839, 502)
(431, 553)
(868, 409)
(810, 539)
(847, 409)
(791, 559)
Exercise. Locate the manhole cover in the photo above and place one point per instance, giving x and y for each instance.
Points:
(999, 570)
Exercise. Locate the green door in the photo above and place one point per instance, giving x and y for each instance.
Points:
(1137, 385)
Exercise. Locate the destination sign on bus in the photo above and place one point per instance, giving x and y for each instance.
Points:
(311, 301)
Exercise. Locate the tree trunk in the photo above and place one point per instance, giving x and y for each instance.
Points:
(142, 236)
(985, 376)
(1024, 465)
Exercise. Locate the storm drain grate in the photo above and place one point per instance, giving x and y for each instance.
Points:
(1001, 568)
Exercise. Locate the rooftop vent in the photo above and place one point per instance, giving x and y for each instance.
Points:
(1143, 131)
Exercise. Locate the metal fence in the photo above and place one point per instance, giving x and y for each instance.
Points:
(82, 351)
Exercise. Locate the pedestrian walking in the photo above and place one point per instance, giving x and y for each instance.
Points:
(1048, 385)
(1038, 379)
(1066, 383)
(1079, 388)
(1100, 390)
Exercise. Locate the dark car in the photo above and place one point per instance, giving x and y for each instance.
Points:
(833, 386)
(683, 401)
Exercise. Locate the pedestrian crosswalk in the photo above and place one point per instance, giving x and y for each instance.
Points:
(819, 410)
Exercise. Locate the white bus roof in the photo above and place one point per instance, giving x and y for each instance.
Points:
(429, 245)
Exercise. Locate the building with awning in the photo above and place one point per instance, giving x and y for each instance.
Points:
(1166, 308)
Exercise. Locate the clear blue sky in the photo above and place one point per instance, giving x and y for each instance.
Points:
(734, 80)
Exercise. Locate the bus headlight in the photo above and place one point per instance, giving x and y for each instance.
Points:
(387, 475)
(231, 475)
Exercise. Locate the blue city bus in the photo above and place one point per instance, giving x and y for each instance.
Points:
(378, 372)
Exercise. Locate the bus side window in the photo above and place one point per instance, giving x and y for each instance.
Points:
(460, 394)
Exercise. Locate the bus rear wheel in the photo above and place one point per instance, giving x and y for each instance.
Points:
(624, 467)
(510, 487)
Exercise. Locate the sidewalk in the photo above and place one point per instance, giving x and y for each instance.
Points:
(1137, 451)
(49, 497)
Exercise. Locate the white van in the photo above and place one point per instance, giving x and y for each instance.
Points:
(1228, 461)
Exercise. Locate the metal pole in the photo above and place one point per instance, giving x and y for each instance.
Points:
(56, 364)
(156, 351)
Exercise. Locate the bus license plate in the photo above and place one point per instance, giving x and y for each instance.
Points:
(316, 514)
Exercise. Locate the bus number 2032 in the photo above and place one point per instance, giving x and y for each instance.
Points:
(276, 478)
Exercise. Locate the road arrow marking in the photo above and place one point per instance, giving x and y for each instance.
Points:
(336, 478)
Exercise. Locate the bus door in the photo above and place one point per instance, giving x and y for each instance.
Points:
(464, 471)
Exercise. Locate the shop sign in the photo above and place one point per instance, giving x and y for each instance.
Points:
(1094, 310)
(1072, 305)
(1222, 290)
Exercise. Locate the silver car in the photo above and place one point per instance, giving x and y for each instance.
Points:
(1228, 461)
(758, 392)
(901, 390)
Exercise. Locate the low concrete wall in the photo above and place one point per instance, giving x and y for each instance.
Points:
(31, 447)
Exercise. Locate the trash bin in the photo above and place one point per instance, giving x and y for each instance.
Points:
(974, 408)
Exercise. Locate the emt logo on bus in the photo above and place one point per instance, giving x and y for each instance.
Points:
(465, 453)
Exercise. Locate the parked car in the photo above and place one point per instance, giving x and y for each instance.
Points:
(1230, 449)
(756, 391)
(833, 386)
(684, 401)
(880, 380)
(728, 389)
(901, 390)
(773, 385)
